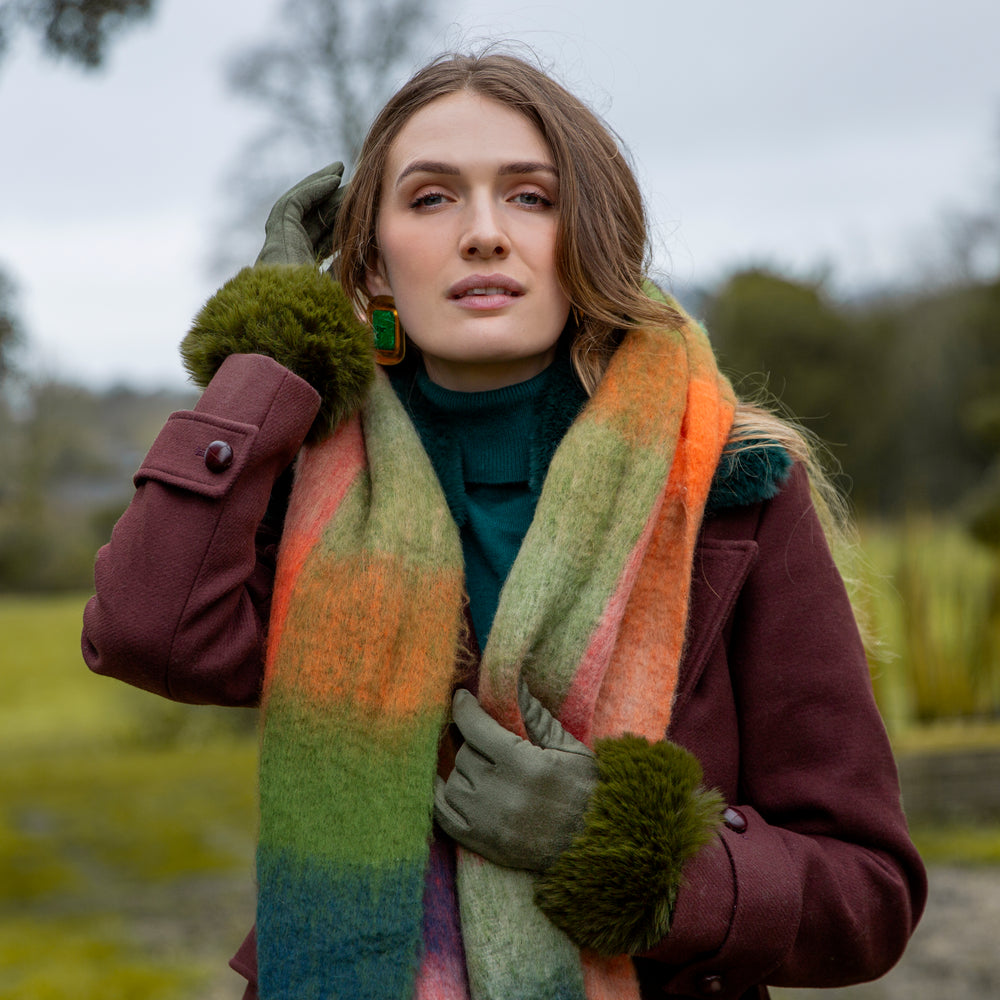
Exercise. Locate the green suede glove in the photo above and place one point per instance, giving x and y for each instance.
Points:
(299, 228)
(516, 802)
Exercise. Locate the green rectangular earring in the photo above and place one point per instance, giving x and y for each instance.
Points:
(390, 340)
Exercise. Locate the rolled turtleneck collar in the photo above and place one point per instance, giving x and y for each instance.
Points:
(492, 430)
(505, 435)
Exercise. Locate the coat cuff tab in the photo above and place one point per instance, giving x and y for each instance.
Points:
(200, 453)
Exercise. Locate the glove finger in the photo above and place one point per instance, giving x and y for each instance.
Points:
(481, 731)
(320, 219)
(450, 819)
(317, 198)
(472, 771)
(314, 209)
(543, 728)
(314, 188)
(538, 720)
(304, 198)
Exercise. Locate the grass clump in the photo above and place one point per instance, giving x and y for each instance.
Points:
(149, 814)
(934, 600)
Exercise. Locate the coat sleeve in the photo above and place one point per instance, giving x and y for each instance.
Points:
(814, 881)
(183, 588)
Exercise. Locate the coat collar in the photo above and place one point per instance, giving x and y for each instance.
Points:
(748, 473)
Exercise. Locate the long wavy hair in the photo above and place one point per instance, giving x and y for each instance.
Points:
(602, 247)
(602, 251)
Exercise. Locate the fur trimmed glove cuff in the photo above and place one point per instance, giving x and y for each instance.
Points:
(302, 320)
(613, 890)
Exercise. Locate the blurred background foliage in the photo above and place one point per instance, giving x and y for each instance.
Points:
(79, 31)
(904, 389)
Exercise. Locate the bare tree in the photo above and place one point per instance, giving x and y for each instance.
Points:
(78, 30)
(320, 79)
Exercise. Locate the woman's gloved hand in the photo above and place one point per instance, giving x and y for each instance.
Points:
(299, 228)
(517, 802)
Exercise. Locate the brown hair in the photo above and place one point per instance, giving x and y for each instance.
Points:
(601, 245)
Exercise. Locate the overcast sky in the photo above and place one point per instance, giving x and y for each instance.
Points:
(800, 134)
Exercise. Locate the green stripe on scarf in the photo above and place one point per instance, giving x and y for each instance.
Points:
(353, 714)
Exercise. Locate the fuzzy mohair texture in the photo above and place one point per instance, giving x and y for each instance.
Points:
(613, 889)
(297, 316)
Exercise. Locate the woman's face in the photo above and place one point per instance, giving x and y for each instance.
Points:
(467, 239)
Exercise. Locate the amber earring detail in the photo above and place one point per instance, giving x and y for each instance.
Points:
(390, 340)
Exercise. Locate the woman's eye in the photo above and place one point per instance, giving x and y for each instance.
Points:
(533, 199)
(429, 200)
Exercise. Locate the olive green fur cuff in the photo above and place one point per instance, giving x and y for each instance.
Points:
(300, 318)
(613, 890)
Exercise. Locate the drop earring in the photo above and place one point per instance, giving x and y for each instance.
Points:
(390, 339)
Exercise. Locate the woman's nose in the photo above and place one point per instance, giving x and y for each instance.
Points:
(485, 236)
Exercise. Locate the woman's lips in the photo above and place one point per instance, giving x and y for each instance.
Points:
(485, 291)
(496, 300)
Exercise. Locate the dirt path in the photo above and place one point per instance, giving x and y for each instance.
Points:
(955, 952)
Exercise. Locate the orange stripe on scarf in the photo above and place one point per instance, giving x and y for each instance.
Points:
(390, 678)
(335, 466)
(637, 692)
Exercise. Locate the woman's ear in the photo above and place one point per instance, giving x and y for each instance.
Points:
(376, 281)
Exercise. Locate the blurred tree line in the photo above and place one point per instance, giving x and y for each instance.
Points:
(904, 388)
(69, 453)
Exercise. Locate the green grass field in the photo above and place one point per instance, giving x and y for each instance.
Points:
(127, 822)
(126, 827)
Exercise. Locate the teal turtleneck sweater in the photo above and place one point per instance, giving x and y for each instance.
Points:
(491, 451)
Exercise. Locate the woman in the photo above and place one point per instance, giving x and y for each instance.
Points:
(663, 772)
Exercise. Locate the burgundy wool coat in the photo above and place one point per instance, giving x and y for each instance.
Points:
(814, 880)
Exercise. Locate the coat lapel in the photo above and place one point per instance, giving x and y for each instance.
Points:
(721, 566)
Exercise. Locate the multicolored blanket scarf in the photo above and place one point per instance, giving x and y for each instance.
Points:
(356, 898)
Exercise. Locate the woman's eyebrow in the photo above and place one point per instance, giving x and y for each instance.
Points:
(527, 167)
(427, 167)
(439, 167)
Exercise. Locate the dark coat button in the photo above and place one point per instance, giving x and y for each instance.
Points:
(735, 820)
(710, 986)
(218, 456)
